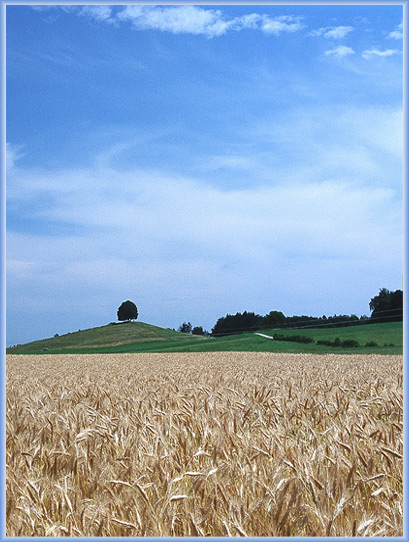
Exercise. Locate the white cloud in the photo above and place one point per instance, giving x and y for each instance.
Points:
(371, 53)
(100, 13)
(153, 217)
(230, 161)
(209, 22)
(396, 34)
(181, 19)
(248, 21)
(334, 32)
(340, 51)
(13, 154)
(185, 19)
(182, 218)
(345, 144)
(280, 24)
(51, 7)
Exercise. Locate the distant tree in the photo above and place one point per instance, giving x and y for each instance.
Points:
(274, 318)
(387, 306)
(127, 311)
(186, 327)
(198, 330)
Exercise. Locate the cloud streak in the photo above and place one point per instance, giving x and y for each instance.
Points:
(397, 34)
(174, 236)
(187, 19)
(340, 51)
(99, 13)
(183, 19)
(13, 154)
(332, 32)
(371, 53)
(208, 22)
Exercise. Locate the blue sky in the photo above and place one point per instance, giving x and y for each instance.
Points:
(201, 160)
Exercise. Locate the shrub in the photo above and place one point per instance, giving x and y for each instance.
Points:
(293, 338)
(350, 343)
(325, 343)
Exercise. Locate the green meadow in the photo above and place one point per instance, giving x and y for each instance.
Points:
(385, 338)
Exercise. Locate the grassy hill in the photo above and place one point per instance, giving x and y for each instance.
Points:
(141, 337)
(111, 337)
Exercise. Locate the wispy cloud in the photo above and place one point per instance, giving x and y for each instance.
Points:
(100, 13)
(209, 22)
(183, 19)
(340, 51)
(52, 7)
(371, 53)
(337, 143)
(187, 19)
(280, 24)
(334, 32)
(13, 154)
(150, 233)
(396, 34)
(185, 217)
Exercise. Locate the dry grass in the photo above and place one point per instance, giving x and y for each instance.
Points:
(224, 444)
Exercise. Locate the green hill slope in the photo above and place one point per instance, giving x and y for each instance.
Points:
(386, 338)
(112, 337)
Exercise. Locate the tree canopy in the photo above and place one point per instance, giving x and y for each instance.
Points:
(198, 330)
(127, 311)
(186, 327)
(387, 306)
(236, 323)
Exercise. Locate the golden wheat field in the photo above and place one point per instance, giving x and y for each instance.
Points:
(220, 444)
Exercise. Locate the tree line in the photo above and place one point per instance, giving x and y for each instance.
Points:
(387, 306)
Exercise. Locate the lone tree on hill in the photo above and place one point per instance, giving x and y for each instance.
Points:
(127, 311)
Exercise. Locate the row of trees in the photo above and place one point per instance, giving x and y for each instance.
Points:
(385, 307)
(187, 327)
(249, 321)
